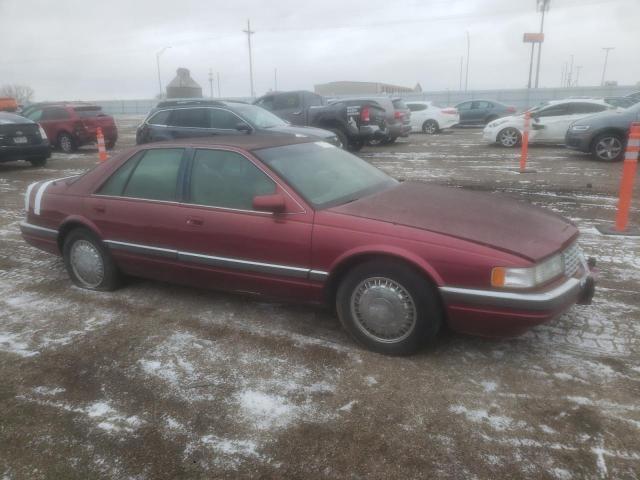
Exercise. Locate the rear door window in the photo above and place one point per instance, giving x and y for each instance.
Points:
(584, 107)
(190, 117)
(155, 176)
(464, 106)
(416, 107)
(554, 111)
(55, 113)
(88, 112)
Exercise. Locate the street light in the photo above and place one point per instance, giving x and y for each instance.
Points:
(542, 6)
(158, 64)
(606, 57)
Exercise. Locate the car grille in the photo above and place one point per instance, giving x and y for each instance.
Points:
(572, 258)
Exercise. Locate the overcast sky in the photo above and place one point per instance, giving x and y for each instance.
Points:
(79, 49)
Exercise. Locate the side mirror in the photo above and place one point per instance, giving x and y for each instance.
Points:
(269, 203)
(243, 127)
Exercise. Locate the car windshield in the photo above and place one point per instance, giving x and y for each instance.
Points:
(258, 116)
(324, 175)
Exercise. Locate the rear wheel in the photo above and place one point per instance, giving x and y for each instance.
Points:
(430, 127)
(509, 137)
(355, 145)
(38, 162)
(608, 147)
(66, 143)
(88, 262)
(388, 307)
(389, 140)
(377, 141)
(342, 138)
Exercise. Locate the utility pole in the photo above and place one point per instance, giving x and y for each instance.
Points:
(211, 82)
(578, 68)
(275, 79)
(158, 65)
(466, 80)
(218, 78)
(461, 60)
(250, 32)
(570, 74)
(543, 6)
(530, 65)
(606, 57)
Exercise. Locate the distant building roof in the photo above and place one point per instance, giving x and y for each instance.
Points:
(183, 86)
(356, 88)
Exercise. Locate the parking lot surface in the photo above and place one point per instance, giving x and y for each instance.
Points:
(158, 381)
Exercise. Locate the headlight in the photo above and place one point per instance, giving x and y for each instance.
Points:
(580, 128)
(496, 123)
(527, 277)
(43, 134)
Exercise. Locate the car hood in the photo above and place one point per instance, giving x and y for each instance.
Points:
(308, 131)
(488, 219)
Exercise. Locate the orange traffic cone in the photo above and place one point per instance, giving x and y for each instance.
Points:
(102, 150)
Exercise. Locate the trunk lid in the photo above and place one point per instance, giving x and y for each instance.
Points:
(493, 220)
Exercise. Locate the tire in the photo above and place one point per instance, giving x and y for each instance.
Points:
(389, 140)
(38, 162)
(66, 143)
(355, 145)
(608, 147)
(509, 137)
(342, 138)
(377, 284)
(430, 127)
(88, 262)
(109, 145)
(376, 142)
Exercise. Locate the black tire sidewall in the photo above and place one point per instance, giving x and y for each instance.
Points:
(432, 122)
(428, 308)
(111, 275)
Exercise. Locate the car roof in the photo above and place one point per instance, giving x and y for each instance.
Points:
(597, 101)
(249, 142)
(12, 118)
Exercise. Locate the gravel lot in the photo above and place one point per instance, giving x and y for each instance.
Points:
(156, 381)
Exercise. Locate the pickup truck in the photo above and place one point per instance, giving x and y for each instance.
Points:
(353, 122)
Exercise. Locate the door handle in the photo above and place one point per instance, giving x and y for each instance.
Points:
(196, 222)
(100, 209)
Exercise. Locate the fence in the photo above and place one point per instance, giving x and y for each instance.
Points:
(519, 98)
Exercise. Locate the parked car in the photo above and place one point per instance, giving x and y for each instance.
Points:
(604, 135)
(70, 125)
(8, 104)
(635, 97)
(353, 121)
(427, 117)
(172, 120)
(549, 122)
(621, 102)
(481, 112)
(22, 139)
(292, 217)
(395, 122)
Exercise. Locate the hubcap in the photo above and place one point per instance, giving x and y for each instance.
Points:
(430, 127)
(383, 310)
(65, 143)
(509, 137)
(608, 148)
(87, 263)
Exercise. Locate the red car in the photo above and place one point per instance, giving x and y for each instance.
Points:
(294, 217)
(72, 125)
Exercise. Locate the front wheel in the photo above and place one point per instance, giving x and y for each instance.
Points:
(509, 137)
(430, 127)
(388, 307)
(88, 262)
(608, 147)
(66, 143)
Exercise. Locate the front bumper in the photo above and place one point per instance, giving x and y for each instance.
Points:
(24, 152)
(368, 131)
(578, 141)
(498, 314)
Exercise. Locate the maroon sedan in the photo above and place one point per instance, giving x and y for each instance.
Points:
(293, 217)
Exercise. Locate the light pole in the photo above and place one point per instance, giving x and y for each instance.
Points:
(570, 74)
(211, 83)
(578, 68)
(250, 32)
(466, 79)
(543, 6)
(606, 57)
(158, 64)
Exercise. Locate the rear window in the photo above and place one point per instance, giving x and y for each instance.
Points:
(86, 112)
(416, 107)
(399, 104)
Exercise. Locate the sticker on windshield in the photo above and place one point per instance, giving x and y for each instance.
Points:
(323, 144)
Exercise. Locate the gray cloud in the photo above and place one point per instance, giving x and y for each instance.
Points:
(101, 50)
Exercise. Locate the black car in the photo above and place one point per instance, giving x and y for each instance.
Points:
(22, 139)
(482, 112)
(604, 135)
(171, 120)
